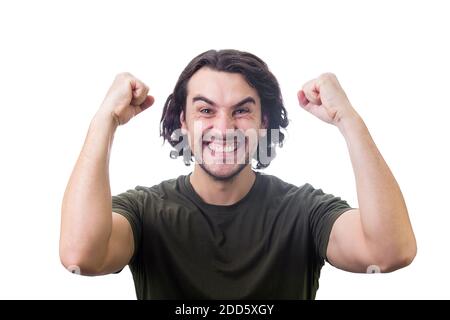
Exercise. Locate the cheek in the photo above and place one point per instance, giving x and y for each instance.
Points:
(250, 124)
(194, 133)
(199, 121)
(252, 136)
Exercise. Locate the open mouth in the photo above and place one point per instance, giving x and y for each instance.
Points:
(224, 148)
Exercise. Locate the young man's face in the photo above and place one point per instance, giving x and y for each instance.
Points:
(223, 121)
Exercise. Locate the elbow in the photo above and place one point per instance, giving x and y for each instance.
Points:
(71, 264)
(411, 253)
(398, 263)
(78, 263)
(401, 259)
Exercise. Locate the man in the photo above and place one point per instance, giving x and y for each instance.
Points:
(226, 231)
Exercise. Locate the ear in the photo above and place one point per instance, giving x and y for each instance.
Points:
(183, 123)
(265, 122)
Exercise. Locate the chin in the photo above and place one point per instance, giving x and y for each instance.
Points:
(223, 172)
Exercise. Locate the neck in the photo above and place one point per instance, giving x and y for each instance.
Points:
(222, 192)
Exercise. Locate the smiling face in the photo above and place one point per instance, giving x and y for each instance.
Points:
(222, 121)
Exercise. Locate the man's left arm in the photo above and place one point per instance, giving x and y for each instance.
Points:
(379, 233)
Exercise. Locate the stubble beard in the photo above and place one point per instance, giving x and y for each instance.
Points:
(228, 177)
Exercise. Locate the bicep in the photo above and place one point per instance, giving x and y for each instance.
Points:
(347, 247)
(120, 246)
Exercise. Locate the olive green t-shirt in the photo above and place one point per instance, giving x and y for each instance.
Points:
(269, 245)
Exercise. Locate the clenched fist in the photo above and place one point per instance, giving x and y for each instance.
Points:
(325, 98)
(127, 97)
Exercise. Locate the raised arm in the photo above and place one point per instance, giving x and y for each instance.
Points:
(93, 239)
(378, 236)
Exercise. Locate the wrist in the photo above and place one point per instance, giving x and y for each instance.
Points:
(105, 119)
(351, 124)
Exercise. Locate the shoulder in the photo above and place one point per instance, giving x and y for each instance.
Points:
(161, 191)
(164, 190)
(164, 195)
(304, 195)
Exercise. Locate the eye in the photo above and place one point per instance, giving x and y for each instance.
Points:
(206, 110)
(241, 111)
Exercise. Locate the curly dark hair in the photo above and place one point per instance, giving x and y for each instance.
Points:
(256, 73)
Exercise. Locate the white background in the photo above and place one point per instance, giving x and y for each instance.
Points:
(58, 58)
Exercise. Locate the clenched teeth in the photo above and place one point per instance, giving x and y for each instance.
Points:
(216, 147)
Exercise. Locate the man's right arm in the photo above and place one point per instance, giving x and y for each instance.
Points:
(93, 239)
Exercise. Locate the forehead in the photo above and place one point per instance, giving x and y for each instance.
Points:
(220, 86)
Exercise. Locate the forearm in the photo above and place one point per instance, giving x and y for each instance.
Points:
(384, 215)
(86, 220)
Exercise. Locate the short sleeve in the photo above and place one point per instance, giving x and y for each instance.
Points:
(130, 204)
(323, 210)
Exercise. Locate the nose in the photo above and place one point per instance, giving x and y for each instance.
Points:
(223, 122)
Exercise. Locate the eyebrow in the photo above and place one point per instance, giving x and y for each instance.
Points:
(210, 102)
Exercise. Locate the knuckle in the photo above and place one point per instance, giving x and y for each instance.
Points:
(142, 88)
(328, 76)
(139, 84)
(124, 75)
(323, 79)
(306, 86)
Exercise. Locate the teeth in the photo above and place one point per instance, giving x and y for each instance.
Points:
(221, 148)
